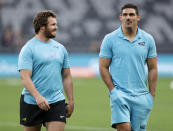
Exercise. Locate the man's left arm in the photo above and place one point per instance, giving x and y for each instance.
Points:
(152, 74)
(68, 88)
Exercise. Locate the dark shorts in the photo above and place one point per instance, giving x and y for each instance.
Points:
(31, 115)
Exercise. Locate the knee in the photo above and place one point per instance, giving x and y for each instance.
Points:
(124, 127)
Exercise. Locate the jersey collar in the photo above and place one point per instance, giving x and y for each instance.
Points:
(121, 34)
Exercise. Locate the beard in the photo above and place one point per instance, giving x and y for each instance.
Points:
(49, 34)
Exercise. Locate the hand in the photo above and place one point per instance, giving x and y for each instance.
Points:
(111, 88)
(153, 94)
(42, 103)
(69, 109)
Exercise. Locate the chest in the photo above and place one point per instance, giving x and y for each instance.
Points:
(124, 48)
(47, 54)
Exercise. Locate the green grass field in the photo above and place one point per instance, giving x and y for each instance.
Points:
(92, 111)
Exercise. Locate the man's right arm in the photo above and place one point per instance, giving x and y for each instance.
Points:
(104, 72)
(29, 85)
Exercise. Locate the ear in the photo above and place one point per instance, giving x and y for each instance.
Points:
(42, 28)
(138, 17)
(120, 17)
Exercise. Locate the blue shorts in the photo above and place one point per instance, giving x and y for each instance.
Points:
(132, 109)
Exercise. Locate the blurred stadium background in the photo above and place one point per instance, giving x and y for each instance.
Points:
(82, 26)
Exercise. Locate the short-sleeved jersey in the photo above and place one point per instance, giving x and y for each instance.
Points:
(46, 60)
(128, 59)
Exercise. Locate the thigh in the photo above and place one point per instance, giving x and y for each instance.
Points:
(119, 108)
(30, 115)
(140, 112)
(56, 112)
(32, 128)
(55, 126)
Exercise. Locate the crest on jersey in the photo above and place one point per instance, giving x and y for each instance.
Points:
(141, 43)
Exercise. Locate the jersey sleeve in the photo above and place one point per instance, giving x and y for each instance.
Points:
(25, 60)
(152, 48)
(105, 49)
(66, 59)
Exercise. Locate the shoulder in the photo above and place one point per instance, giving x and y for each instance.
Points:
(29, 44)
(58, 44)
(113, 34)
(111, 38)
(146, 35)
(148, 39)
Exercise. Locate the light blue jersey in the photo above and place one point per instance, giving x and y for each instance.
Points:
(46, 60)
(127, 66)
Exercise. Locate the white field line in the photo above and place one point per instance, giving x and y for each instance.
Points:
(83, 128)
(89, 128)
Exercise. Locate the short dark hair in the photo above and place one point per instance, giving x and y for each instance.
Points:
(41, 19)
(129, 5)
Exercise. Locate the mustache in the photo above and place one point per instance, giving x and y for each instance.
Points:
(54, 30)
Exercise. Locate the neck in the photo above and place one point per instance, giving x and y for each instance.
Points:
(129, 32)
(41, 37)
